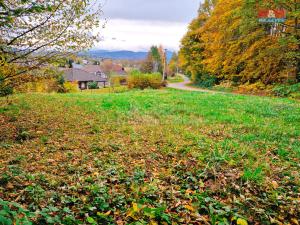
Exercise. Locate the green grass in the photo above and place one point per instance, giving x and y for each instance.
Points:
(143, 157)
(216, 88)
(175, 79)
(107, 90)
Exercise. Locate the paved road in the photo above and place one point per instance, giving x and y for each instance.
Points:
(183, 86)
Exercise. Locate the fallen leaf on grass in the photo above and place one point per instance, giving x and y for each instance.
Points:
(241, 222)
(9, 186)
(189, 207)
(104, 214)
(135, 207)
(275, 184)
(295, 221)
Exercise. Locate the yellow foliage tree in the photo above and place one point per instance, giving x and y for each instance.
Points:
(227, 42)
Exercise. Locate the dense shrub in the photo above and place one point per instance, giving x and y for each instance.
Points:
(287, 90)
(205, 80)
(93, 85)
(60, 79)
(42, 86)
(47, 86)
(253, 88)
(143, 81)
(71, 87)
(5, 89)
(117, 80)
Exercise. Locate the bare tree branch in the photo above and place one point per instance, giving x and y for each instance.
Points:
(35, 27)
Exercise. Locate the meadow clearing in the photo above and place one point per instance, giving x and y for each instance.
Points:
(149, 157)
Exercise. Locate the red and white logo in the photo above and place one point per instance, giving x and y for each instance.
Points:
(270, 13)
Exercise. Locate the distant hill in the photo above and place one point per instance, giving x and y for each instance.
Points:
(130, 55)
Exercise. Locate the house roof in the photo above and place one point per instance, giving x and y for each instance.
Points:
(74, 74)
(113, 68)
(92, 68)
(77, 66)
(118, 69)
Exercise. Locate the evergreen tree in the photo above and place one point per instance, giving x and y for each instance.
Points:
(147, 65)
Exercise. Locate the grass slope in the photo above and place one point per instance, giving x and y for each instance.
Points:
(143, 157)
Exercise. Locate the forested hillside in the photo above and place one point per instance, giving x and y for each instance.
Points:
(226, 43)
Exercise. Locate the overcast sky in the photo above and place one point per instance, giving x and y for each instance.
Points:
(138, 24)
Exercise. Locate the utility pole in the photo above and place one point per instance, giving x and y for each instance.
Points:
(177, 67)
(165, 66)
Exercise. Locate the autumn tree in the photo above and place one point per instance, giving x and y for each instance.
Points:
(173, 64)
(287, 34)
(154, 60)
(226, 41)
(36, 33)
(192, 47)
(107, 66)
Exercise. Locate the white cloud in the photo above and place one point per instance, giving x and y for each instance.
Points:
(137, 35)
(153, 10)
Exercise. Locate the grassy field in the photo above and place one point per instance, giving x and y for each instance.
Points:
(149, 157)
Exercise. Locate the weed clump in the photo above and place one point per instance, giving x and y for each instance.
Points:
(23, 135)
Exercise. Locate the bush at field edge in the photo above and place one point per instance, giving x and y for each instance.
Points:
(143, 81)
